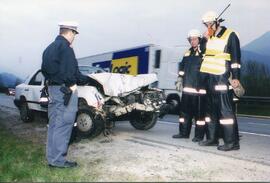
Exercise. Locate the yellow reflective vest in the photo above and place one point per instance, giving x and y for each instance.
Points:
(215, 58)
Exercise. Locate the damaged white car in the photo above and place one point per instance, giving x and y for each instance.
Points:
(118, 97)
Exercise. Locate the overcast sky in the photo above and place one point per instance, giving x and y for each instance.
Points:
(28, 26)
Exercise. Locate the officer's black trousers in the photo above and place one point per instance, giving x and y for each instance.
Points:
(221, 120)
(192, 106)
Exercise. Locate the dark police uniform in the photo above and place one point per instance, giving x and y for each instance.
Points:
(60, 68)
(193, 96)
(222, 59)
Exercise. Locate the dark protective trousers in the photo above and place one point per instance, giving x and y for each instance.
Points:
(221, 121)
(61, 121)
(192, 107)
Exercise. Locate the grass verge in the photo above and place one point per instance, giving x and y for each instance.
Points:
(23, 161)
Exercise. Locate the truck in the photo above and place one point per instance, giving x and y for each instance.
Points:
(145, 59)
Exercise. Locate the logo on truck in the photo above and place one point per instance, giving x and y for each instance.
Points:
(128, 65)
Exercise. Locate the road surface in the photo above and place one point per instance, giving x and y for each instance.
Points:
(154, 155)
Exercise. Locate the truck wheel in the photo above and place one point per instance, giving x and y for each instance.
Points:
(143, 120)
(87, 126)
(25, 113)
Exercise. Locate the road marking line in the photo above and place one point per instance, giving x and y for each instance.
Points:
(252, 123)
(253, 116)
(258, 134)
(250, 133)
(171, 123)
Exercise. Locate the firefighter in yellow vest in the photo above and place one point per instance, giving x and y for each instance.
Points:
(221, 59)
(193, 92)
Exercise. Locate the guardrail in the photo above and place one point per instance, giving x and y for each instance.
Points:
(255, 99)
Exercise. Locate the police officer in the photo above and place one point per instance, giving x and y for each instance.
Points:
(222, 59)
(193, 90)
(60, 69)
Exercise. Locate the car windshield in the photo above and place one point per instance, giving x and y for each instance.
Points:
(90, 70)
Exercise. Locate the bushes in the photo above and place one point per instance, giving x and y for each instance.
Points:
(256, 79)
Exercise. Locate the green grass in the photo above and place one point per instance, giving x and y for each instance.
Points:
(21, 160)
(253, 109)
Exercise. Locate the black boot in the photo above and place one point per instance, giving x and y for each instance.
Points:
(231, 137)
(209, 143)
(184, 130)
(229, 147)
(196, 139)
(199, 133)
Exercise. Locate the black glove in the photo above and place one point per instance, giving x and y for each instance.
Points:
(67, 94)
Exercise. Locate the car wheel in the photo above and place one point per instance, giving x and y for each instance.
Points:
(25, 113)
(87, 125)
(143, 120)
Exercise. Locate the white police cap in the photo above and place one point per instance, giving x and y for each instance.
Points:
(69, 25)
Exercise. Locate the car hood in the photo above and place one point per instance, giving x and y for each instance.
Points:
(115, 84)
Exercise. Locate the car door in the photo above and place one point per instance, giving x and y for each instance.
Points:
(35, 85)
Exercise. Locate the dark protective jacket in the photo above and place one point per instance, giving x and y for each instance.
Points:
(59, 64)
(189, 70)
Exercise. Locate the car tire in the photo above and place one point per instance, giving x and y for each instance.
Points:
(143, 120)
(25, 113)
(87, 125)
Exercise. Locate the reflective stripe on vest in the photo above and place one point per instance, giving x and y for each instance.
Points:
(215, 59)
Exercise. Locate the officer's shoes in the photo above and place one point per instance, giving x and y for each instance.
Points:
(229, 147)
(67, 164)
(208, 143)
(180, 136)
(196, 139)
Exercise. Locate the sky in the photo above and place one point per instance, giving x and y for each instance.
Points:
(27, 27)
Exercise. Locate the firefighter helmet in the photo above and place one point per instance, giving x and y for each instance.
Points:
(194, 33)
(209, 16)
